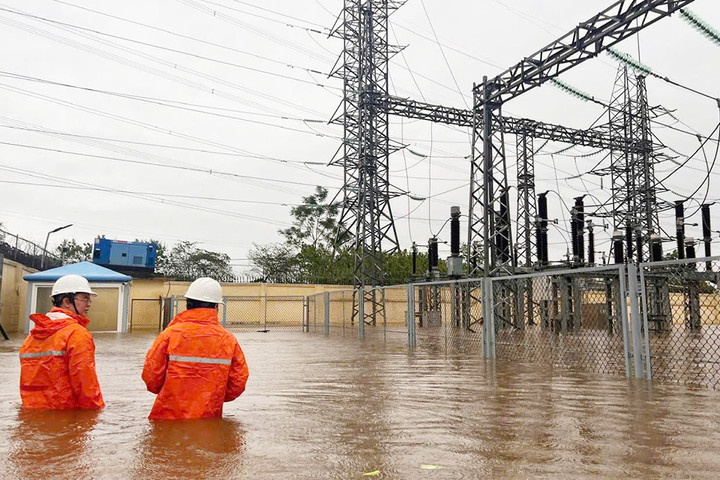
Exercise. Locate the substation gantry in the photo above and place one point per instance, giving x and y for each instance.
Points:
(364, 113)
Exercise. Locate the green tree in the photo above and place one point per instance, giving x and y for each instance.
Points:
(160, 255)
(274, 263)
(309, 255)
(70, 251)
(187, 262)
(314, 222)
(322, 265)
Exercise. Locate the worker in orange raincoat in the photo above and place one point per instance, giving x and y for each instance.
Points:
(57, 359)
(195, 365)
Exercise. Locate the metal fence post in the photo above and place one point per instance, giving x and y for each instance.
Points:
(622, 292)
(225, 305)
(327, 312)
(342, 302)
(264, 302)
(306, 314)
(412, 341)
(361, 312)
(635, 320)
(643, 289)
(488, 315)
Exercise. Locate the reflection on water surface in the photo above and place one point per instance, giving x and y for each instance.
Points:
(335, 408)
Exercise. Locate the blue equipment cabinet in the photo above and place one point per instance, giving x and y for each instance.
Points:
(120, 255)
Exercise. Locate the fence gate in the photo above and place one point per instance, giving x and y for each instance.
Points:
(681, 318)
(262, 313)
(146, 314)
(576, 318)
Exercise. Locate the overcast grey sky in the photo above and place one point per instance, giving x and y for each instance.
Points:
(206, 120)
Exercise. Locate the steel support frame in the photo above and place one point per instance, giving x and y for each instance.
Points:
(526, 244)
(489, 190)
(619, 21)
(599, 137)
(366, 207)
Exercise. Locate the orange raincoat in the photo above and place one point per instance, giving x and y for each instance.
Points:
(194, 366)
(57, 363)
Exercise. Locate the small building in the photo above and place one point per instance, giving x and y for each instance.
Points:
(109, 310)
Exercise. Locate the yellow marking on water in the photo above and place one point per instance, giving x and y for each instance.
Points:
(374, 473)
(431, 467)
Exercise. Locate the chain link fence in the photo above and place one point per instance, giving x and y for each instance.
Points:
(251, 313)
(146, 314)
(258, 313)
(681, 314)
(331, 313)
(447, 316)
(657, 320)
(336, 313)
(436, 321)
(572, 318)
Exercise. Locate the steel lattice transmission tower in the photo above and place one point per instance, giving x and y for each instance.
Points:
(366, 217)
(634, 184)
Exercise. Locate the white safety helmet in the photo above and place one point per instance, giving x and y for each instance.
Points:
(205, 289)
(71, 284)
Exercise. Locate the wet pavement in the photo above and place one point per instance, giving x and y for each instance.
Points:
(336, 408)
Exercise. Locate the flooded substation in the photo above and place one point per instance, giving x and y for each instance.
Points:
(335, 407)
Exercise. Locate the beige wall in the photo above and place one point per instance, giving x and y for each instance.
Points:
(14, 295)
(256, 303)
(160, 287)
(14, 292)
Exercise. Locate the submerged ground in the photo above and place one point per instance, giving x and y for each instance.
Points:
(321, 407)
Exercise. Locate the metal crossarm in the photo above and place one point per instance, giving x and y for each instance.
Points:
(614, 24)
(597, 137)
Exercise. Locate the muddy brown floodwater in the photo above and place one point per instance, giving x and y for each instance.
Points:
(336, 408)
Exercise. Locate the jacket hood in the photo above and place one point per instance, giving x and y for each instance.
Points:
(196, 315)
(56, 319)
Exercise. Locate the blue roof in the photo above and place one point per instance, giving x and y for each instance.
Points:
(93, 273)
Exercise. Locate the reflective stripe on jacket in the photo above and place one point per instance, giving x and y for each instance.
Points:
(194, 366)
(57, 363)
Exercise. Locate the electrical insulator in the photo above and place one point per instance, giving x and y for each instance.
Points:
(618, 246)
(680, 228)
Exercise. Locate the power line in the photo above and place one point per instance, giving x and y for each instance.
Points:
(325, 31)
(173, 50)
(443, 54)
(167, 103)
(208, 171)
(160, 145)
(121, 118)
(180, 35)
(155, 194)
(155, 71)
(143, 197)
(249, 27)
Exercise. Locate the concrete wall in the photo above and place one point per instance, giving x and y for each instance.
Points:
(160, 287)
(14, 295)
(248, 303)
